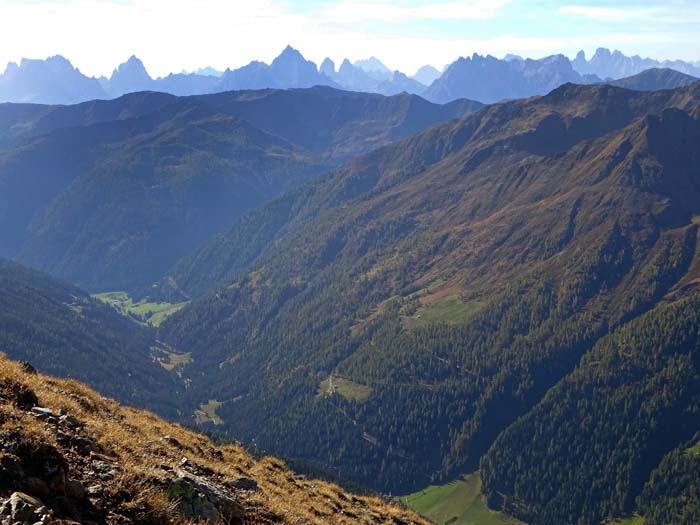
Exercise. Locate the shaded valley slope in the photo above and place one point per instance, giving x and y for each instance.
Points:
(63, 331)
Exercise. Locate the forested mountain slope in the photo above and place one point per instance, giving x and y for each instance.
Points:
(63, 331)
(338, 125)
(109, 194)
(21, 121)
(109, 206)
(615, 435)
(403, 311)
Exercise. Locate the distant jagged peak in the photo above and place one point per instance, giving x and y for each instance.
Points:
(133, 67)
(292, 66)
(255, 63)
(202, 72)
(476, 57)
(289, 54)
(55, 65)
(289, 50)
(208, 72)
(53, 80)
(346, 65)
(327, 67)
(58, 60)
(129, 77)
(55, 62)
(616, 65)
(293, 70)
(11, 67)
(372, 65)
(426, 75)
(603, 53)
(558, 59)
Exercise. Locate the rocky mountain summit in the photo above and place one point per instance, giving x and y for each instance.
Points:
(489, 79)
(615, 64)
(69, 456)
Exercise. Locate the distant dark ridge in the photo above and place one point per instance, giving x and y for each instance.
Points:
(656, 79)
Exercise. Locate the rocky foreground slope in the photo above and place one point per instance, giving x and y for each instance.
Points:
(68, 455)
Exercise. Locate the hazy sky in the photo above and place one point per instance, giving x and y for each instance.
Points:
(172, 35)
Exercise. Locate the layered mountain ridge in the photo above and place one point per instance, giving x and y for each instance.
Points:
(614, 65)
(110, 194)
(385, 289)
(483, 78)
(489, 79)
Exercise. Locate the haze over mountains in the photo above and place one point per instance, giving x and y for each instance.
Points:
(489, 79)
(105, 191)
(482, 78)
(607, 65)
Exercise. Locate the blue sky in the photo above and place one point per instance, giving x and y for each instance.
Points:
(171, 35)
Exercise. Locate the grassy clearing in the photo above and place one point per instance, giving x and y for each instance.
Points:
(146, 312)
(345, 388)
(172, 360)
(169, 359)
(424, 291)
(207, 413)
(694, 450)
(163, 311)
(634, 520)
(451, 310)
(456, 503)
(359, 327)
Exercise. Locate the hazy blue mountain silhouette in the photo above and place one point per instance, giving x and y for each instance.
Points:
(129, 77)
(370, 76)
(606, 64)
(132, 76)
(655, 79)
(375, 68)
(110, 194)
(50, 81)
(488, 79)
(289, 70)
(426, 75)
(483, 78)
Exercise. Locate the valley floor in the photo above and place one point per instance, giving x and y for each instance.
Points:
(144, 311)
(457, 503)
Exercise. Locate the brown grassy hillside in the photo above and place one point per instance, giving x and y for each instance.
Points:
(92, 460)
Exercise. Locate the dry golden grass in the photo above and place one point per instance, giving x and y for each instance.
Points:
(133, 437)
